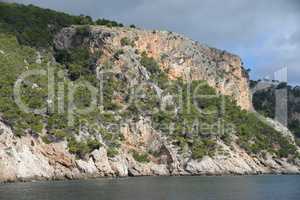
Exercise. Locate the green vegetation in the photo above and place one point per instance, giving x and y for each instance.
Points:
(112, 152)
(127, 42)
(82, 148)
(140, 157)
(254, 135)
(11, 66)
(34, 93)
(36, 27)
(157, 75)
(202, 148)
(192, 121)
(105, 22)
(264, 101)
(118, 53)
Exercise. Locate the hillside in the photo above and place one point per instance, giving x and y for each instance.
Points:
(265, 102)
(102, 99)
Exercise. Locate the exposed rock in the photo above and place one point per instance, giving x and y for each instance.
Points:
(29, 158)
(38, 58)
(179, 57)
(159, 170)
(119, 165)
(87, 167)
(138, 169)
(101, 162)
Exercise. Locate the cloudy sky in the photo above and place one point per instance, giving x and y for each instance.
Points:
(265, 33)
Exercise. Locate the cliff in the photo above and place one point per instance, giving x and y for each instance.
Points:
(29, 158)
(178, 56)
(119, 101)
(144, 150)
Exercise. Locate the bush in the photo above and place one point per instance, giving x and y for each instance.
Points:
(59, 134)
(142, 158)
(83, 31)
(112, 152)
(93, 144)
(83, 147)
(150, 64)
(202, 148)
(118, 53)
(108, 23)
(127, 42)
(78, 148)
(157, 75)
(83, 20)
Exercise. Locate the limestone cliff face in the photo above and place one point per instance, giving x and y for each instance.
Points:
(178, 55)
(28, 157)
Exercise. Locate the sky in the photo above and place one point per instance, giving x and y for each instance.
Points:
(264, 33)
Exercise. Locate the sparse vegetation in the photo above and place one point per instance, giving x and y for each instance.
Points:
(157, 75)
(36, 27)
(264, 102)
(112, 152)
(83, 147)
(140, 157)
(108, 23)
(20, 43)
(127, 42)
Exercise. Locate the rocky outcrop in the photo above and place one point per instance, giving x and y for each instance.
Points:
(101, 162)
(143, 150)
(29, 158)
(178, 56)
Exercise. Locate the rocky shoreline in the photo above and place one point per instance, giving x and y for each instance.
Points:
(141, 149)
(29, 159)
(119, 177)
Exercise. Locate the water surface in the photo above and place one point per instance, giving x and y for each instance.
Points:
(159, 188)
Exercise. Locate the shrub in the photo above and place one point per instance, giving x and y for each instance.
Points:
(83, 147)
(150, 64)
(157, 75)
(78, 148)
(140, 157)
(108, 23)
(83, 20)
(202, 148)
(112, 152)
(83, 31)
(93, 144)
(118, 53)
(60, 134)
(127, 42)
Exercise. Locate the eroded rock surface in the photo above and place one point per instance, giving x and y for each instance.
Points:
(28, 158)
(178, 55)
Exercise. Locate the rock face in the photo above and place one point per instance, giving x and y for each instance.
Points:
(28, 158)
(179, 57)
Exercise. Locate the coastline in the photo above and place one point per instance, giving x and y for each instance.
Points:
(57, 179)
(28, 159)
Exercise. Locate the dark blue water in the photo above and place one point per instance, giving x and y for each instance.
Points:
(160, 188)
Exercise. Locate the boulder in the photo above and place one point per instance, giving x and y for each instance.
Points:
(101, 162)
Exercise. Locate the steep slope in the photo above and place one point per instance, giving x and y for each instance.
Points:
(163, 105)
(178, 56)
(265, 102)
